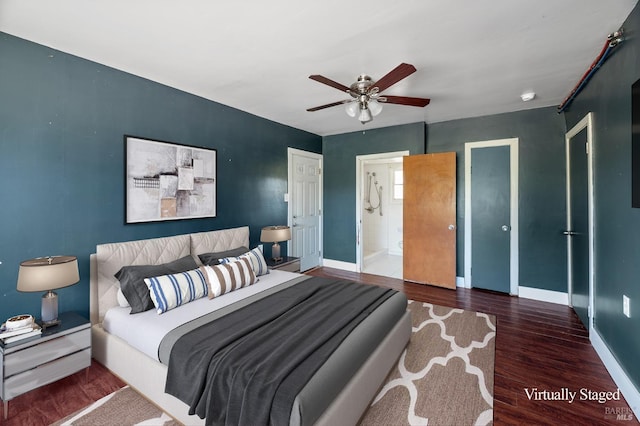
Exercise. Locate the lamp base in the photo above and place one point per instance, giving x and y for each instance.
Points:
(49, 324)
(275, 253)
(49, 309)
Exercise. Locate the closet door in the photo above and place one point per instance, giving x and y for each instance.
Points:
(429, 219)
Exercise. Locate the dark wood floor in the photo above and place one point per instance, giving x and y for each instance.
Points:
(538, 345)
(52, 402)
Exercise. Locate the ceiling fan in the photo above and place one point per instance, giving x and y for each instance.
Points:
(366, 95)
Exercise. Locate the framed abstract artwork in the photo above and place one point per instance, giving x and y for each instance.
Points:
(168, 181)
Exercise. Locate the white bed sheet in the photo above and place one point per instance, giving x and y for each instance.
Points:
(145, 331)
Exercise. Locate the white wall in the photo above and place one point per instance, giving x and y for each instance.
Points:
(381, 233)
(394, 210)
(374, 226)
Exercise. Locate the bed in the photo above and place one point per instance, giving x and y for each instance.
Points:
(337, 393)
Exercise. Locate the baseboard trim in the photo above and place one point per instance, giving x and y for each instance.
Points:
(372, 256)
(628, 389)
(351, 267)
(543, 295)
(339, 264)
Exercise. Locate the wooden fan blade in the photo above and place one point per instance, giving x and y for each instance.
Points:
(329, 82)
(406, 100)
(395, 75)
(328, 105)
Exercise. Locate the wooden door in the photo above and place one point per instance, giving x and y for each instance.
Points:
(429, 219)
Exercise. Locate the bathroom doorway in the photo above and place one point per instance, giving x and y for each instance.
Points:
(379, 213)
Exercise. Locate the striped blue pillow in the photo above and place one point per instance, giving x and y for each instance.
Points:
(256, 258)
(170, 291)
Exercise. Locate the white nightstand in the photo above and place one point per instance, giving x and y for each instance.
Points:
(59, 352)
(288, 263)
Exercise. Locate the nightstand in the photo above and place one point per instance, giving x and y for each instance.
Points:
(59, 352)
(288, 263)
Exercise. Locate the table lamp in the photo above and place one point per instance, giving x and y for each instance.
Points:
(48, 274)
(275, 234)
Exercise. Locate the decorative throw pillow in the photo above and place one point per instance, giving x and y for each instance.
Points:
(214, 258)
(170, 291)
(122, 301)
(132, 280)
(256, 258)
(228, 277)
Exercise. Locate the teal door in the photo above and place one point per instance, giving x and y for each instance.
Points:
(578, 229)
(490, 218)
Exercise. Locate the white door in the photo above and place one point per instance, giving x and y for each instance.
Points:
(579, 232)
(305, 207)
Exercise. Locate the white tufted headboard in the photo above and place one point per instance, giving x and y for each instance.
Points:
(215, 241)
(109, 258)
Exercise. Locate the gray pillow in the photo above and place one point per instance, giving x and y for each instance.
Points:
(132, 280)
(213, 258)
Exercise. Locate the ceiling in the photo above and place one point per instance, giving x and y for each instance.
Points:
(473, 57)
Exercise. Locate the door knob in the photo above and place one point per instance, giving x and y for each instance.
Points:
(452, 227)
(570, 233)
(506, 228)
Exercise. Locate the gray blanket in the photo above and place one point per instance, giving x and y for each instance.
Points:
(166, 345)
(247, 367)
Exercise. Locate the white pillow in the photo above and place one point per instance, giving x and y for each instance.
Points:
(122, 301)
(228, 276)
(256, 258)
(170, 291)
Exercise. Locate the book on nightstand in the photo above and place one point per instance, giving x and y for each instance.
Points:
(16, 334)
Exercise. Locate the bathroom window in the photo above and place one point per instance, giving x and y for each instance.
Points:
(397, 184)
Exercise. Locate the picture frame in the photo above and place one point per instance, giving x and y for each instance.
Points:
(168, 181)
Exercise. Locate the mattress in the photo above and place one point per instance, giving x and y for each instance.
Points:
(250, 364)
(145, 331)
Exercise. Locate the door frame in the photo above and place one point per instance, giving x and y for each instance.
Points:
(585, 123)
(287, 197)
(514, 235)
(361, 160)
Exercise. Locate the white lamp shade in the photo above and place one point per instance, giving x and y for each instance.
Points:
(365, 116)
(275, 234)
(48, 273)
(375, 107)
(352, 108)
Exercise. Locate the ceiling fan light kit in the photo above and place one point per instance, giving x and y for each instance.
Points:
(367, 101)
(365, 115)
(352, 108)
(375, 107)
(364, 109)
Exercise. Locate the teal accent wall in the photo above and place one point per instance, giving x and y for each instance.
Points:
(339, 182)
(542, 187)
(541, 184)
(62, 121)
(617, 224)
